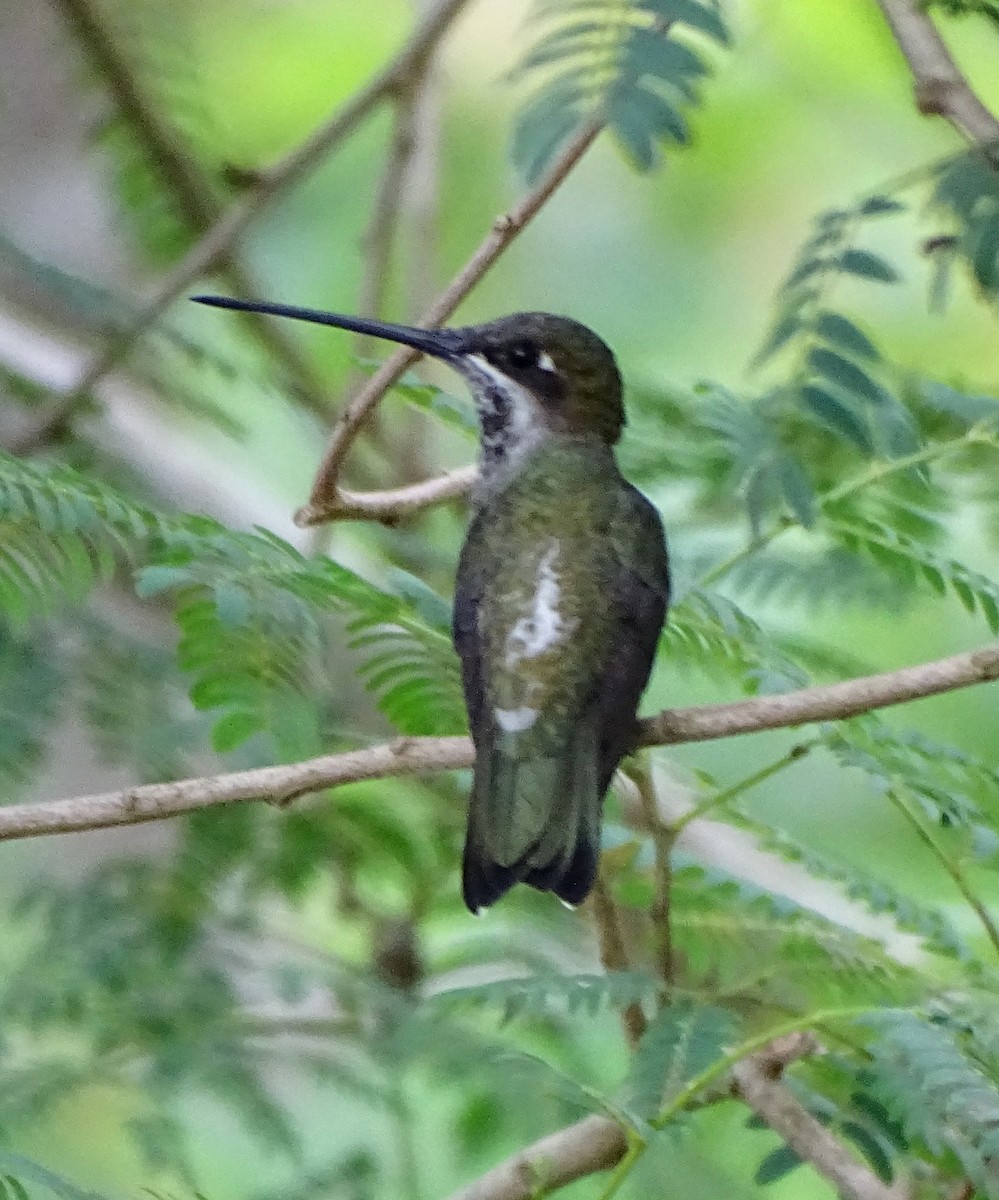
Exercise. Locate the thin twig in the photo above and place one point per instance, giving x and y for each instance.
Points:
(194, 200)
(663, 839)
(393, 504)
(414, 756)
(941, 89)
(379, 237)
(168, 156)
(614, 954)
(215, 246)
(591, 1145)
(323, 500)
(952, 866)
(757, 1084)
(776, 1046)
(726, 795)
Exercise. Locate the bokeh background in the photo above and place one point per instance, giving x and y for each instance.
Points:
(810, 108)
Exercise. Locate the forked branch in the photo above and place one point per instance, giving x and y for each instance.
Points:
(324, 503)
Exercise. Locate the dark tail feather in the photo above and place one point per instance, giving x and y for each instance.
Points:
(535, 821)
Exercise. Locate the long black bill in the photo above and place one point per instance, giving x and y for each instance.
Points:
(441, 343)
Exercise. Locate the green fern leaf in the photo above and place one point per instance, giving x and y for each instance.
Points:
(771, 949)
(926, 1080)
(680, 1043)
(904, 558)
(713, 633)
(878, 896)
(545, 995)
(254, 614)
(252, 610)
(952, 789)
(31, 687)
(618, 63)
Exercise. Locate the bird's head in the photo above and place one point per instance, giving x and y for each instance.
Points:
(528, 372)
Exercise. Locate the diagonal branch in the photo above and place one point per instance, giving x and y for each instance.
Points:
(323, 502)
(941, 89)
(379, 237)
(195, 202)
(591, 1145)
(215, 246)
(596, 1143)
(758, 1085)
(414, 756)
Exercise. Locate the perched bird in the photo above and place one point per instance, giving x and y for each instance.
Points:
(561, 593)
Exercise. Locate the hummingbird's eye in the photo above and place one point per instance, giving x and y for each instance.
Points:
(522, 355)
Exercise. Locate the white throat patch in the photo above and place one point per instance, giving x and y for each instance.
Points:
(511, 424)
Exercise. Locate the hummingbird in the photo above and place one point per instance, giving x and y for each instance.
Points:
(560, 595)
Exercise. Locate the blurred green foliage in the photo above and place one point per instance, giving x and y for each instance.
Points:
(292, 1002)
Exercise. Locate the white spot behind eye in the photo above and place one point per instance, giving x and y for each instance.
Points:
(546, 362)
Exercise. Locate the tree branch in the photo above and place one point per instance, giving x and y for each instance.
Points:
(759, 1085)
(828, 702)
(216, 243)
(597, 1143)
(393, 504)
(941, 90)
(591, 1145)
(323, 502)
(413, 756)
(195, 201)
(614, 954)
(379, 237)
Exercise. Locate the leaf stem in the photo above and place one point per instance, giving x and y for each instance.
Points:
(664, 839)
(726, 795)
(750, 1046)
(881, 470)
(873, 473)
(636, 1148)
(717, 1069)
(950, 865)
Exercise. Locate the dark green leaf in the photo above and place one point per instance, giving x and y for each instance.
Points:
(867, 266)
(896, 431)
(648, 53)
(845, 374)
(787, 325)
(877, 206)
(806, 269)
(776, 1165)
(985, 254)
(546, 123)
(232, 603)
(566, 42)
(843, 333)
(661, 116)
(689, 12)
(637, 139)
(151, 581)
(761, 491)
(872, 1149)
(797, 490)
(234, 728)
(837, 415)
(681, 1042)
